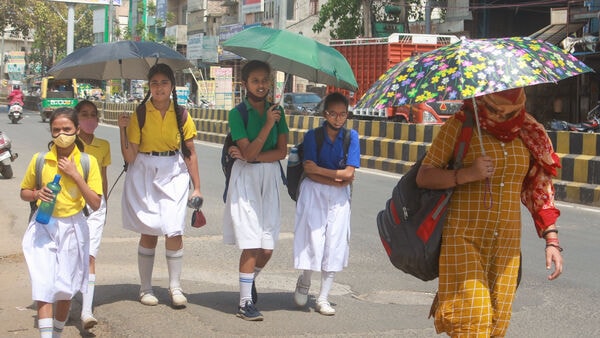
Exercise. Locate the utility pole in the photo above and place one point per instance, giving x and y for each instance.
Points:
(70, 27)
(366, 6)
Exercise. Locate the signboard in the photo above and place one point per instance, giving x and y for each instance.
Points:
(91, 2)
(194, 46)
(15, 65)
(223, 84)
(252, 6)
(183, 93)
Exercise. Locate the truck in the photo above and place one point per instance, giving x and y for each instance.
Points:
(55, 94)
(369, 58)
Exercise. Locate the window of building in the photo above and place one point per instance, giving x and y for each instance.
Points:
(314, 7)
(291, 9)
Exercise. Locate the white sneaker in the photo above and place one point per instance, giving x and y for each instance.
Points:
(323, 307)
(177, 298)
(88, 321)
(301, 292)
(148, 298)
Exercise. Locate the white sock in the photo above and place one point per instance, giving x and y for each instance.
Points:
(45, 327)
(306, 277)
(174, 263)
(58, 328)
(145, 266)
(326, 284)
(257, 270)
(88, 298)
(246, 280)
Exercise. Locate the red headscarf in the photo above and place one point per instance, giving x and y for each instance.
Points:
(503, 115)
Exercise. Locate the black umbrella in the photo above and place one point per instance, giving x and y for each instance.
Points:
(117, 60)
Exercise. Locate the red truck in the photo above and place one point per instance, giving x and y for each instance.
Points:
(371, 57)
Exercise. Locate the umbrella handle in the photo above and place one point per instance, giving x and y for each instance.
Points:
(478, 127)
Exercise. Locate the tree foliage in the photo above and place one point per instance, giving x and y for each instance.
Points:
(345, 17)
(44, 21)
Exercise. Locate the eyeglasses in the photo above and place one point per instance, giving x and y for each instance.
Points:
(341, 114)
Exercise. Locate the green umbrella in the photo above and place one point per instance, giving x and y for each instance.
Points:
(295, 54)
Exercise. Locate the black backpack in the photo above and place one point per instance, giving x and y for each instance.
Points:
(410, 226)
(226, 159)
(295, 173)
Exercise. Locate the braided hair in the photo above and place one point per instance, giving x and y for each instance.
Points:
(162, 68)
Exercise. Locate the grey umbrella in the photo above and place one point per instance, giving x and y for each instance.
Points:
(117, 60)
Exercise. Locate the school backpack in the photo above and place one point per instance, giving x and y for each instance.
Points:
(295, 173)
(39, 166)
(410, 226)
(226, 159)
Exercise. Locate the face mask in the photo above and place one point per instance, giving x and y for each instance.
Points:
(88, 125)
(64, 140)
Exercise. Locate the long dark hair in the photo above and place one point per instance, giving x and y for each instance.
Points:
(162, 68)
(71, 114)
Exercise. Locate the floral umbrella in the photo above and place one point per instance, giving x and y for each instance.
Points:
(470, 68)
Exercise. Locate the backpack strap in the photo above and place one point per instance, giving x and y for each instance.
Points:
(320, 138)
(39, 166)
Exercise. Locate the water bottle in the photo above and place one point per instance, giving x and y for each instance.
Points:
(293, 158)
(47, 208)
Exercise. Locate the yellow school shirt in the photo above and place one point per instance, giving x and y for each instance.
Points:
(100, 149)
(159, 134)
(69, 200)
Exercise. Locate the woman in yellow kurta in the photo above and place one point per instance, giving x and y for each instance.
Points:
(479, 260)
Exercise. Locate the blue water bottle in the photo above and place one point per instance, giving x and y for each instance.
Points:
(47, 208)
(293, 158)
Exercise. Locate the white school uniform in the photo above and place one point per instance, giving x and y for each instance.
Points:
(57, 257)
(252, 211)
(96, 222)
(155, 195)
(322, 227)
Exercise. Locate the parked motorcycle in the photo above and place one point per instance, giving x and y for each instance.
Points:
(6, 156)
(591, 125)
(15, 112)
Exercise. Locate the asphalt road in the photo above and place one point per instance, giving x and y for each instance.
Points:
(371, 297)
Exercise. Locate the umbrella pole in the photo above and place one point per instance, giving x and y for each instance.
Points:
(478, 127)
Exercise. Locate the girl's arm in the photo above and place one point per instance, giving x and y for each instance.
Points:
(128, 149)
(331, 176)
(192, 165)
(104, 182)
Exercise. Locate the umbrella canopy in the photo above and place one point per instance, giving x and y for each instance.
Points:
(117, 60)
(470, 68)
(295, 54)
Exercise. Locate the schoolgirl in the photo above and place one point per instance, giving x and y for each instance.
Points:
(252, 209)
(57, 252)
(156, 186)
(322, 227)
(87, 114)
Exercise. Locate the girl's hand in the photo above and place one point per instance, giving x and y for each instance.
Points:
(482, 168)
(310, 167)
(123, 121)
(67, 166)
(235, 152)
(45, 194)
(273, 114)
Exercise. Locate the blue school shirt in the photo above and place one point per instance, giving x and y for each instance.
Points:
(332, 153)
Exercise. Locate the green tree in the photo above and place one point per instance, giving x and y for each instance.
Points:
(345, 17)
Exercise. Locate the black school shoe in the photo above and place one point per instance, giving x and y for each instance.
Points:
(249, 312)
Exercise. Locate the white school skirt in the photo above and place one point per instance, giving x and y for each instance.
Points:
(155, 195)
(57, 257)
(96, 222)
(322, 227)
(252, 216)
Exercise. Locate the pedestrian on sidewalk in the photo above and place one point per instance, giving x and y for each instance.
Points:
(322, 227)
(510, 162)
(57, 252)
(252, 216)
(161, 160)
(87, 114)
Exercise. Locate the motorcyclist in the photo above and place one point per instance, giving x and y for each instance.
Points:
(16, 96)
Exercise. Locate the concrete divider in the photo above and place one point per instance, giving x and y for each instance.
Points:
(394, 147)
